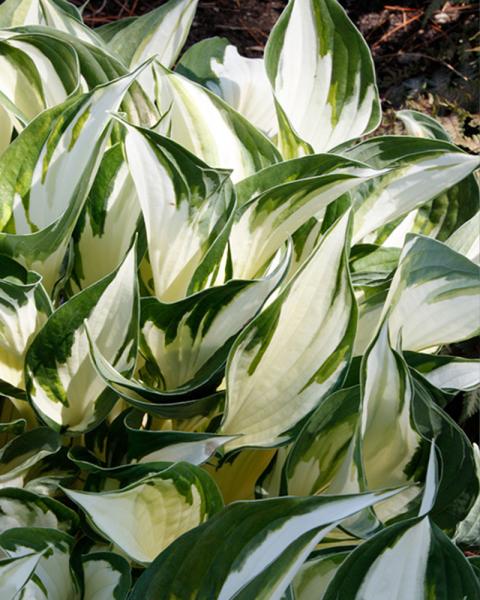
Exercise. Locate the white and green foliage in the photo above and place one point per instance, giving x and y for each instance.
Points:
(212, 289)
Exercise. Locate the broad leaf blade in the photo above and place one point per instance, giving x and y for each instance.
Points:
(244, 543)
(186, 343)
(155, 510)
(242, 82)
(62, 383)
(327, 89)
(376, 569)
(160, 32)
(106, 575)
(47, 172)
(187, 223)
(267, 390)
(207, 126)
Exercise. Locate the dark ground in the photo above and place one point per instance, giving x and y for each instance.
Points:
(426, 51)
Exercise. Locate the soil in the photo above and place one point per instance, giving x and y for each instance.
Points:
(425, 51)
(426, 55)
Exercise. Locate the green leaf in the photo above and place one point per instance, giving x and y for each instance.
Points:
(182, 403)
(249, 550)
(21, 508)
(468, 530)
(38, 72)
(433, 298)
(312, 580)
(24, 451)
(296, 351)
(458, 485)
(155, 510)
(51, 13)
(296, 169)
(147, 445)
(53, 578)
(106, 230)
(61, 381)
(315, 460)
(15, 573)
(421, 125)
(389, 438)
(266, 222)
(466, 239)
(446, 372)
(188, 222)
(6, 129)
(322, 74)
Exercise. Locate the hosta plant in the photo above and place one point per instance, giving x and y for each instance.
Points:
(226, 318)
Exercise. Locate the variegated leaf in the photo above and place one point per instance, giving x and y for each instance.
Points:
(176, 404)
(421, 170)
(446, 372)
(242, 82)
(422, 125)
(389, 439)
(62, 383)
(23, 452)
(46, 174)
(22, 508)
(403, 561)
(322, 74)
(15, 573)
(150, 445)
(105, 576)
(38, 72)
(155, 510)
(109, 222)
(468, 530)
(187, 223)
(50, 13)
(318, 454)
(443, 215)
(207, 126)
(295, 351)
(466, 239)
(249, 550)
(312, 580)
(237, 476)
(24, 308)
(161, 32)
(263, 224)
(433, 298)
(53, 578)
(186, 343)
